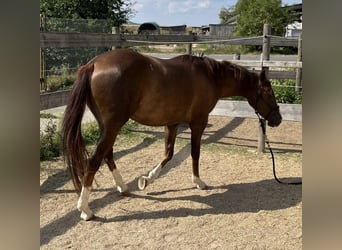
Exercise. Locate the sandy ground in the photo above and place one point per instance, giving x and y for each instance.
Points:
(244, 207)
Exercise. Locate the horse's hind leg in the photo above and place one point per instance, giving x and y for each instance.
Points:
(196, 134)
(82, 204)
(121, 186)
(104, 145)
(170, 137)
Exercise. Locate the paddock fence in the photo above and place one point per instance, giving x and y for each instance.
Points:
(274, 69)
(277, 69)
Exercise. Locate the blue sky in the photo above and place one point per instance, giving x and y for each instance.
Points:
(179, 12)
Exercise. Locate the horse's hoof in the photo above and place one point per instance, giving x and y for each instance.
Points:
(123, 190)
(202, 187)
(87, 217)
(199, 183)
(142, 182)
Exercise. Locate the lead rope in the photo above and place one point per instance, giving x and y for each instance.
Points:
(262, 124)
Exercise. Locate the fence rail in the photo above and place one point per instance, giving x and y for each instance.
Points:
(64, 40)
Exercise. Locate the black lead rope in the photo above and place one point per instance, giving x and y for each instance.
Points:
(262, 124)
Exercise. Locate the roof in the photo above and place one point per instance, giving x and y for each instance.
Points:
(149, 26)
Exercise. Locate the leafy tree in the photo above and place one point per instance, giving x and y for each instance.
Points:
(95, 16)
(116, 12)
(252, 14)
(227, 14)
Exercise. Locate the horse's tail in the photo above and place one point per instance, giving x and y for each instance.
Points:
(74, 151)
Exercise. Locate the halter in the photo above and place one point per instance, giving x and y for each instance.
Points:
(272, 109)
(262, 125)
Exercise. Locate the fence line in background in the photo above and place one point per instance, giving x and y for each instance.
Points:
(64, 40)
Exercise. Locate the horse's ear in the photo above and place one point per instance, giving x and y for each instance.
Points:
(263, 77)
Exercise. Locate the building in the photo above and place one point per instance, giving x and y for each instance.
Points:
(224, 30)
(173, 30)
(295, 29)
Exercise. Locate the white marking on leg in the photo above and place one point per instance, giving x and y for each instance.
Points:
(143, 181)
(82, 204)
(199, 183)
(154, 173)
(120, 185)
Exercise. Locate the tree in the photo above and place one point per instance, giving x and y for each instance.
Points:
(226, 14)
(252, 14)
(116, 12)
(59, 12)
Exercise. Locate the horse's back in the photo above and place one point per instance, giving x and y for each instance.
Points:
(150, 90)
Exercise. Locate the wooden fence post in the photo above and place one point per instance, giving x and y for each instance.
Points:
(299, 70)
(189, 46)
(115, 30)
(42, 78)
(265, 56)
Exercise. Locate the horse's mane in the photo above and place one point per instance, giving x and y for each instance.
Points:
(215, 69)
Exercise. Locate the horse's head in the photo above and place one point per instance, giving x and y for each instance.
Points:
(265, 103)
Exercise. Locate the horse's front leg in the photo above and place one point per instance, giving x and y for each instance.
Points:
(196, 134)
(170, 138)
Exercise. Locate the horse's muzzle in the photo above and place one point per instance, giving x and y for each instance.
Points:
(274, 119)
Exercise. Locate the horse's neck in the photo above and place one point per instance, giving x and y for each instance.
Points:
(237, 85)
(230, 88)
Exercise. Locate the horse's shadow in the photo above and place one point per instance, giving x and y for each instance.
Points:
(236, 198)
(55, 181)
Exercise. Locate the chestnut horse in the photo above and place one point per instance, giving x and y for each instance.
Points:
(123, 84)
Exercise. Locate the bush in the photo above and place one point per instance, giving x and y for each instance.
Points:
(50, 142)
(50, 139)
(47, 115)
(285, 92)
(61, 82)
(90, 133)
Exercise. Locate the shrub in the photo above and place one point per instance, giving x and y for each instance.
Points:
(90, 133)
(50, 139)
(50, 142)
(285, 92)
(60, 82)
(47, 115)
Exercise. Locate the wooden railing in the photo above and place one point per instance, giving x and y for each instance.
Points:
(66, 40)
